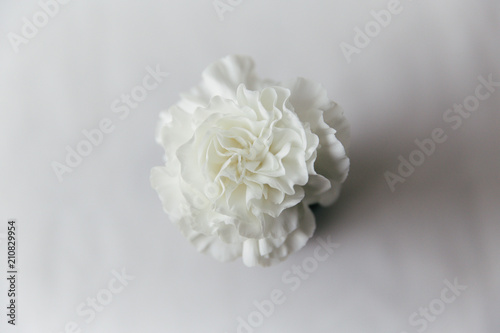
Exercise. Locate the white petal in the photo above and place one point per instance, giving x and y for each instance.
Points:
(221, 78)
(168, 191)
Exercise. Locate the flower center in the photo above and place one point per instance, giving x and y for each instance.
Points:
(244, 156)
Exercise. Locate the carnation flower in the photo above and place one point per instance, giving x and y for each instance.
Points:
(244, 159)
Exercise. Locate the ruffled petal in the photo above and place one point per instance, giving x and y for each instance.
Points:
(221, 78)
(325, 119)
(167, 187)
(269, 251)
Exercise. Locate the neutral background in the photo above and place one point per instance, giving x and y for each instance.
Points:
(396, 248)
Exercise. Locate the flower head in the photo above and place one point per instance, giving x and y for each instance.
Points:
(245, 158)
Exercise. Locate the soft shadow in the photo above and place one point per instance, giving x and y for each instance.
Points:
(366, 180)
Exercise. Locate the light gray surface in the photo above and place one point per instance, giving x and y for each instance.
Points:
(396, 249)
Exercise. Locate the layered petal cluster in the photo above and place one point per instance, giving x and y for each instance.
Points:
(244, 159)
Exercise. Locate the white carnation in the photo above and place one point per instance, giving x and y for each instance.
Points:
(245, 158)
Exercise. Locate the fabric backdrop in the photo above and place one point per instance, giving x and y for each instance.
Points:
(96, 253)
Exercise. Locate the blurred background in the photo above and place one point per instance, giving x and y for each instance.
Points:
(96, 253)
